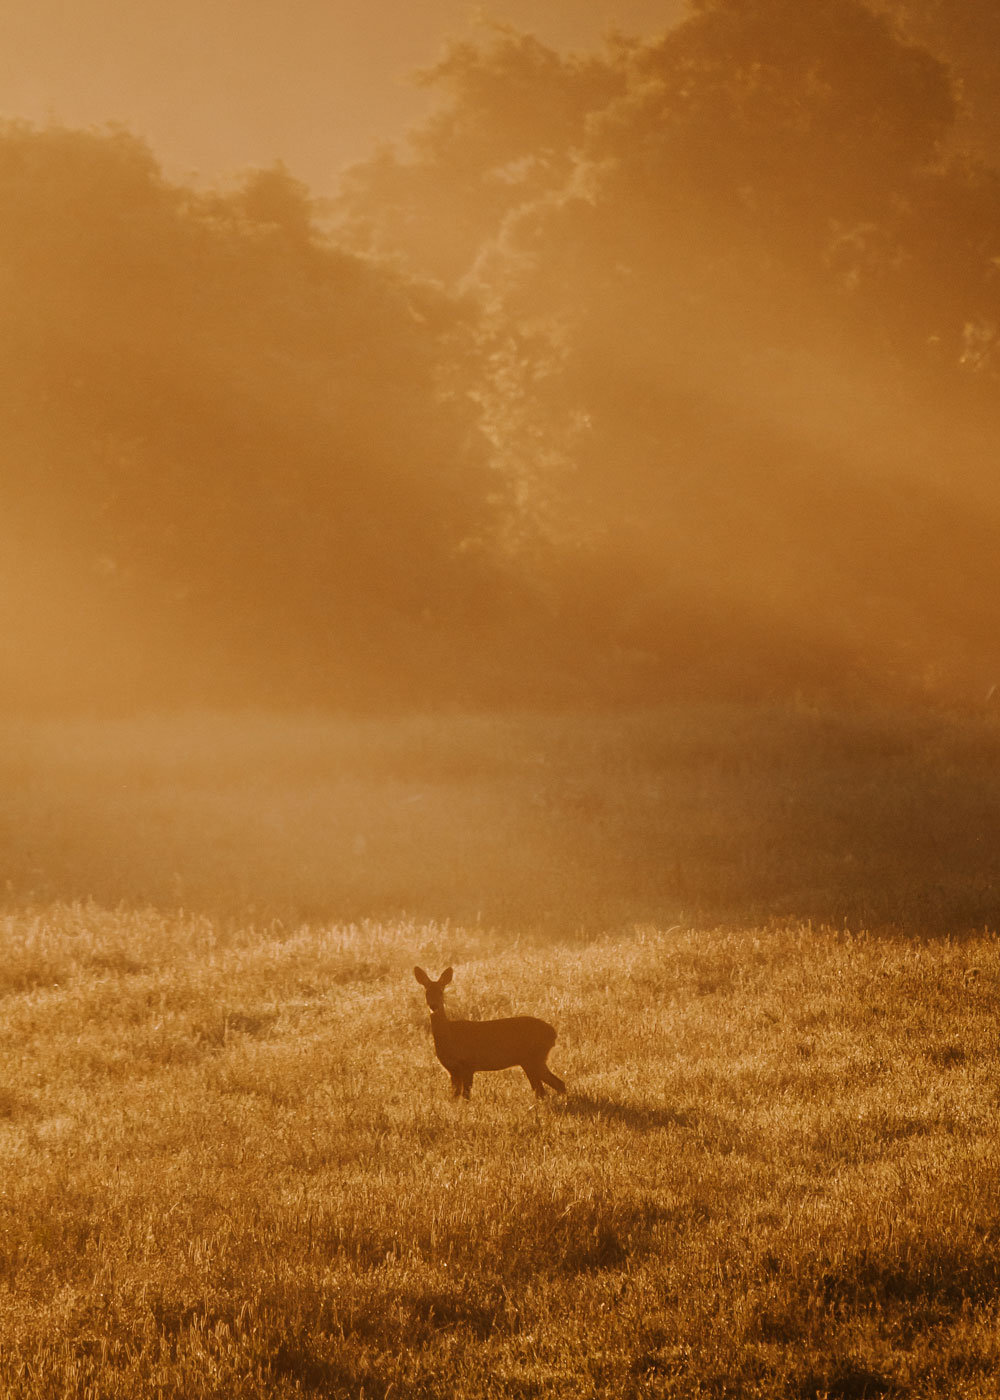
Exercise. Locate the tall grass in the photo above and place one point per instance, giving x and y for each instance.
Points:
(232, 1168)
(229, 1162)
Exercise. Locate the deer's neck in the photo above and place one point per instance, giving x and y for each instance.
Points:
(439, 1025)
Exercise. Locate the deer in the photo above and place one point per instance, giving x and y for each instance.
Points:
(465, 1047)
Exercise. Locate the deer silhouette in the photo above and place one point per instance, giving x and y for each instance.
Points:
(464, 1047)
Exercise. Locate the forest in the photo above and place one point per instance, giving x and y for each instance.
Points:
(662, 372)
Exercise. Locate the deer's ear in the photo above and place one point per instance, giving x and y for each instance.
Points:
(421, 977)
(446, 976)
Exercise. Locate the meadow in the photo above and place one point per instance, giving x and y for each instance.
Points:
(549, 823)
(230, 1163)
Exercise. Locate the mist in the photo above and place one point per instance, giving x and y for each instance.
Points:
(564, 558)
(663, 370)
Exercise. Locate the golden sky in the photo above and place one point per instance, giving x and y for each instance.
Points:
(217, 85)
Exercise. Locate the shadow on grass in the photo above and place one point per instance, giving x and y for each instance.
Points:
(641, 1117)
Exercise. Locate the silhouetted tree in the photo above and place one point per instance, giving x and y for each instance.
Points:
(259, 444)
(666, 368)
(731, 322)
(965, 34)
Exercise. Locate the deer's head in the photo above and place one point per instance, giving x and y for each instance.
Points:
(434, 991)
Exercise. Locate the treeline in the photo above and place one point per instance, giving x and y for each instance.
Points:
(238, 461)
(666, 369)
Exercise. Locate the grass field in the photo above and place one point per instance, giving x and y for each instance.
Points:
(230, 1163)
(547, 823)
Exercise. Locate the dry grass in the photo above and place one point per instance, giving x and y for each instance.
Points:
(232, 1168)
(231, 1165)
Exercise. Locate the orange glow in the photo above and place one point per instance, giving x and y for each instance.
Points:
(661, 367)
(215, 85)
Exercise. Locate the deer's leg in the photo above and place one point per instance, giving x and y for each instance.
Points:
(457, 1087)
(467, 1083)
(535, 1072)
(553, 1080)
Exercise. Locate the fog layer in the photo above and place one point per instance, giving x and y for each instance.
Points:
(667, 369)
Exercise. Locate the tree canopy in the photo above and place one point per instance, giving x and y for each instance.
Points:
(741, 307)
(667, 367)
(254, 442)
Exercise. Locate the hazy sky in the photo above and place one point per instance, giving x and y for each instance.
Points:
(216, 85)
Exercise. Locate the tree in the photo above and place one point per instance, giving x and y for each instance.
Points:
(253, 446)
(965, 34)
(726, 329)
(512, 112)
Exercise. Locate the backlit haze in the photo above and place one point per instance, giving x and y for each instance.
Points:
(540, 520)
(638, 353)
(215, 85)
